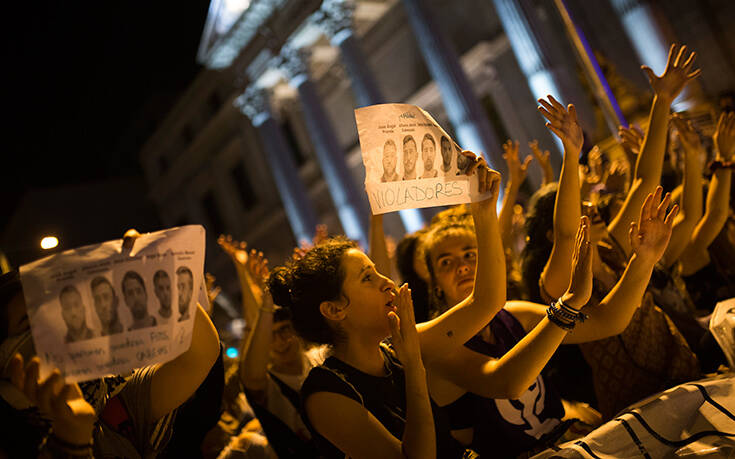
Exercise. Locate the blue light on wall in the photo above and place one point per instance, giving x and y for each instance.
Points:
(232, 352)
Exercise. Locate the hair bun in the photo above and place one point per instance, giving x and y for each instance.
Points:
(279, 283)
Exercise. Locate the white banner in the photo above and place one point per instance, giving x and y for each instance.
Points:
(410, 161)
(97, 310)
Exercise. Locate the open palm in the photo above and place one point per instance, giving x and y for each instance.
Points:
(562, 122)
(650, 235)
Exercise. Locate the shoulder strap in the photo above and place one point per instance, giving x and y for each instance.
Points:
(287, 391)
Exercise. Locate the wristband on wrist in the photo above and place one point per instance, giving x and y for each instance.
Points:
(718, 164)
(563, 315)
(59, 448)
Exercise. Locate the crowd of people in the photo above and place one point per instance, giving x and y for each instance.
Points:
(485, 334)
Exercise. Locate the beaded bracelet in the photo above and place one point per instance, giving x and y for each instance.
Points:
(576, 314)
(564, 316)
(558, 321)
(718, 164)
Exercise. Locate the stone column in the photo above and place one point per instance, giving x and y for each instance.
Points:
(335, 17)
(468, 117)
(349, 199)
(534, 56)
(254, 104)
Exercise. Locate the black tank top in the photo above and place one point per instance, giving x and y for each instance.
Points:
(507, 428)
(383, 396)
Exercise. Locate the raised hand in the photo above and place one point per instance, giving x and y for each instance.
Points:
(516, 169)
(72, 418)
(402, 322)
(616, 177)
(650, 235)
(631, 139)
(688, 136)
(488, 179)
(212, 290)
(320, 234)
(544, 161)
(677, 74)
(580, 283)
(236, 250)
(257, 267)
(724, 136)
(563, 122)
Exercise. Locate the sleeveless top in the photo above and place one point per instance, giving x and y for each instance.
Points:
(507, 428)
(383, 396)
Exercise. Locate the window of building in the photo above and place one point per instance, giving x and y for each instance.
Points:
(293, 143)
(214, 218)
(244, 187)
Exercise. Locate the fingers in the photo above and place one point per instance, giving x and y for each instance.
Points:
(30, 383)
(646, 208)
(129, 239)
(395, 329)
(669, 220)
(663, 207)
(15, 371)
(649, 73)
(677, 61)
(633, 235)
(670, 58)
(572, 112)
(526, 163)
(49, 389)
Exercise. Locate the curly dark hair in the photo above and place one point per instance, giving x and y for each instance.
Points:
(539, 220)
(303, 284)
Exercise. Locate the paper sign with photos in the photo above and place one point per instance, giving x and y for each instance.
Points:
(410, 161)
(98, 310)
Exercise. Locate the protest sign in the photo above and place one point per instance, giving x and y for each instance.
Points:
(410, 161)
(99, 310)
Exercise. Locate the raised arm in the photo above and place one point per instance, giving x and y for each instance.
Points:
(516, 175)
(251, 293)
(631, 139)
(649, 164)
(454, 327)
(338, 418)
(648, 237)
(514, 372)
(378, 250)
(567, 207)
(257, 346)
(544, 160)
(695, 255)
(175, 381)
(691, 201)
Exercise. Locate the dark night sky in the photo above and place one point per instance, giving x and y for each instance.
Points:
(88, 81)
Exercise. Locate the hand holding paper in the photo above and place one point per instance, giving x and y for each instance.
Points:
(411, 162)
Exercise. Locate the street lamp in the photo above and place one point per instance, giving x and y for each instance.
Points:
(49, 242)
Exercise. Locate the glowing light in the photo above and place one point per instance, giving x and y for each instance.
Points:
(49, 242)
(231, 352)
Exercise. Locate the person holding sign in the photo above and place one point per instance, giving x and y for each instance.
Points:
(390, 160)
(410, 155)
(73, 313)
(136, 299)
(428, 152)
(337, 297)
(105, 304)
